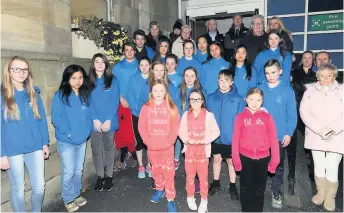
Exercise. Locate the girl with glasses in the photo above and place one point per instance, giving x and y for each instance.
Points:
(198, 128)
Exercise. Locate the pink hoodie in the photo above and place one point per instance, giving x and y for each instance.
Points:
(254, 135)
(321, 109)
(205, 135)
(157, 129)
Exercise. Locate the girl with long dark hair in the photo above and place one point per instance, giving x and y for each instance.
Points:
(162, 50)
(71, 117)
(245, 76)
(104, 105)
(202, 48)
(212, 67)
(275, 49)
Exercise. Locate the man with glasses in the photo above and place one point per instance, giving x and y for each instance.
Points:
(256, 38)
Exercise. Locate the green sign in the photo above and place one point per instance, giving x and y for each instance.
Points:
(327, 22)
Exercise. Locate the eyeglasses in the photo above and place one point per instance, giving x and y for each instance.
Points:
(198, 100)
(18, 70)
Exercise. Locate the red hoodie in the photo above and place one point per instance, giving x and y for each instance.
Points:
(157, 129)
(254, 135)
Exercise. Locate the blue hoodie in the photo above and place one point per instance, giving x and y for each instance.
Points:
(150, 52)
(209, 73)
(175, 79)
(73, 122)
(240, 81)
(184, 63)
(281, 104)
(27, 134)
(145, 90)
(225, 106)
(201, 57)
(123, 71)
(268, 54)
(135, 86)
(186, 99)
(104, 103)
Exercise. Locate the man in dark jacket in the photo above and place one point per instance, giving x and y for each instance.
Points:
(213, 34)
(233, 36)
(256, 38)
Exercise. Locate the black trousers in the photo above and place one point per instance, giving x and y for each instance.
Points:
(291, 153)
(253, 178)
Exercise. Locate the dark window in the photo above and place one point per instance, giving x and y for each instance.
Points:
(294, 24)
(326, 41)
(324, 5)
(282, 7)
(298, 42)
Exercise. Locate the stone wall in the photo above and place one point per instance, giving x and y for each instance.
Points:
(137, 14)
(47, 72)
(36, 25)
(89, 8)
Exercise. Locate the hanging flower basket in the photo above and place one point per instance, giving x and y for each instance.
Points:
(105, 34)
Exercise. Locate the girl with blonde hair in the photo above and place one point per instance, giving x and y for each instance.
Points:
(22, 109)
(158, 126)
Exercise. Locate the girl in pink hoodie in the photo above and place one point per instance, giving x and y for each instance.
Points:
(198, 128)
(158, 126)
(254, 135)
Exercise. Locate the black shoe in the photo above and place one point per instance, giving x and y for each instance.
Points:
(213, 189)
(108, 184)
(99, 184)
(153, 184)
(234, 193)
(291, 186)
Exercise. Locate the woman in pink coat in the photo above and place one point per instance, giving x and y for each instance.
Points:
(322, 112)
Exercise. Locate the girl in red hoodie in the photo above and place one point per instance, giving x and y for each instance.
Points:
(158, 126)
(198, 128)
(254, 135)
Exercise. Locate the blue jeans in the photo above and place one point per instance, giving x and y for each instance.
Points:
(34, 162)
(277, 179)
(72, 159)
(177, 148)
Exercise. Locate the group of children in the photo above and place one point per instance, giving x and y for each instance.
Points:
(198, 103)
(158, 106)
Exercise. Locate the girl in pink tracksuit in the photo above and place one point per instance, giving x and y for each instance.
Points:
(198, 128)
(254, 135)
(158, 126)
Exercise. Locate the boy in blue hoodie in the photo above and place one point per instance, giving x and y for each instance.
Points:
(124, 70)
(279, 101)
(226, 104)
(141, 48)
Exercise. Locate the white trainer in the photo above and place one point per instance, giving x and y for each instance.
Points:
(192, 203)
(203, 206)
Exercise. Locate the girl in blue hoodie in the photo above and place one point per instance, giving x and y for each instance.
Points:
(190, 82)
(173, 76)
(104, 105)
(72, 119)
(275, 49)
(188, 60)
(280, 102)
(162, 50)
(245, 76)
(212, 67)
(157, 72)
(22, 110)
(202, 49)
(134, 89)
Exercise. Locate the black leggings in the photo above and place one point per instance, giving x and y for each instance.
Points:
(139, 142)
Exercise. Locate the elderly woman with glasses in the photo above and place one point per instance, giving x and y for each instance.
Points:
(322, 112)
